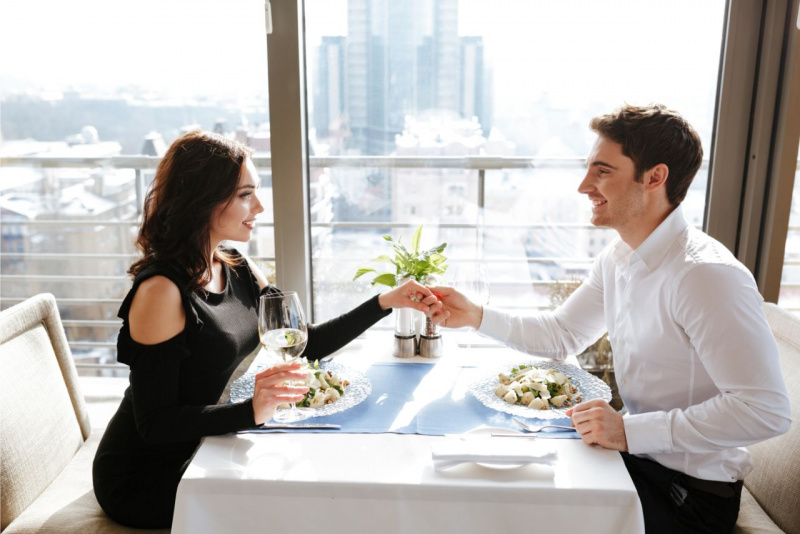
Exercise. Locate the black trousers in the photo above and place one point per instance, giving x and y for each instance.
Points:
(673, 502)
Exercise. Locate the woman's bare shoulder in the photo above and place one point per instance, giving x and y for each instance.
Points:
(156, 313)
(257, 273)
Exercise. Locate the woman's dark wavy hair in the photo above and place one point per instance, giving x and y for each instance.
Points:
(199, 173)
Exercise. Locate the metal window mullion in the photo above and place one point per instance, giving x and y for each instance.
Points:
(756, 137)
(288, 123)
(729, 152)
(65, 277)
(92, 323)
(778, 202)
(761, 136)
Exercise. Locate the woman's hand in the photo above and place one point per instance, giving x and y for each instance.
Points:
(456, 310)
(411, 295)
(270, 390)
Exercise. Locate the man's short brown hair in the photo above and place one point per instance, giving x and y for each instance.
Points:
(653, 134)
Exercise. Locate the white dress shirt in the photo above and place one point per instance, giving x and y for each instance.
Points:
(696, 363)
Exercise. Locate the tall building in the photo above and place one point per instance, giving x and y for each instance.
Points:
(474, 98)
(448, 72)
(329, 92)
(398, 59)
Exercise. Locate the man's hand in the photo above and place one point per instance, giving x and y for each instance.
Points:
(598, 423)
(457, 310)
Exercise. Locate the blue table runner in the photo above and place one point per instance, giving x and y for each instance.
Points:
(419, 398)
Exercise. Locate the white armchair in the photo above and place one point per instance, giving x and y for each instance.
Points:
(46, 451)
(772, 490)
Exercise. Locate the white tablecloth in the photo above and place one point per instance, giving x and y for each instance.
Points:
(346, 483)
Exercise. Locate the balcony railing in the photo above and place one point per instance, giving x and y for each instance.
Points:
(143, 164)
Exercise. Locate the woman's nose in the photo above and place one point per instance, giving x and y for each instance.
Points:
(259, 207)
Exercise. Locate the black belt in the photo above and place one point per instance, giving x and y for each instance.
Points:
(725, 490)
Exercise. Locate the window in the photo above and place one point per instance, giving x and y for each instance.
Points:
(91, 99)
(472, 119)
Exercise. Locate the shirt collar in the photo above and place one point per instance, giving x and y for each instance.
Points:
(655, 247)
(658, 243)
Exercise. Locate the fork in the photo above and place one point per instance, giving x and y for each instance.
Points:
(534, 428)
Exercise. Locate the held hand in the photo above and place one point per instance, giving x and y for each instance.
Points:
(410, 295)
(270, 390)
(598, 423)
(457, 310)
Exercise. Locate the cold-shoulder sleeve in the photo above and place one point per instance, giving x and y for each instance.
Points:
(155, 381)
(159, 414)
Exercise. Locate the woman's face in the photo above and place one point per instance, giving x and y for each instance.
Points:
(236, 219)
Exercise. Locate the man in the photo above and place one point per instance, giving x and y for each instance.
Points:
(696, 363)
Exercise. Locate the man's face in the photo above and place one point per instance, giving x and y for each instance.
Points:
(618, 201)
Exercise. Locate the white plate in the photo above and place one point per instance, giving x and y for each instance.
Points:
(488, 431)
(589, 386)
(358, 390)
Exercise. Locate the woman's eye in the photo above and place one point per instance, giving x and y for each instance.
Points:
(246, 195)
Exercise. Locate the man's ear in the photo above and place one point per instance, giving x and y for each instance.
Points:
(656, 177)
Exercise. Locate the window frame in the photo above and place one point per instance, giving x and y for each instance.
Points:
(753, 154)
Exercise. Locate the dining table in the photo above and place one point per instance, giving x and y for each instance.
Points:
(373, 469)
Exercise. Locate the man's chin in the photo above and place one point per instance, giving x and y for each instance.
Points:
(599, 221)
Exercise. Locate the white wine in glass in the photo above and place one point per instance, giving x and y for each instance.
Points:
(283, 331)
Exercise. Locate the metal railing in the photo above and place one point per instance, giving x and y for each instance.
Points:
(141, 164)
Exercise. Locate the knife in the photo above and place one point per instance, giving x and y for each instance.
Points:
(277, 426)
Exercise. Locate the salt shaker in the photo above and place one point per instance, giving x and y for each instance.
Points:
(405, 332)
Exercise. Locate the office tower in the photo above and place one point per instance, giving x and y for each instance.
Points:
(474, 101)
(329, 101)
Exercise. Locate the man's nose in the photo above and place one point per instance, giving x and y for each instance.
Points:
(586, 186)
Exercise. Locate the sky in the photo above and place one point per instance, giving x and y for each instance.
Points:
(575, 52)
(185, 47)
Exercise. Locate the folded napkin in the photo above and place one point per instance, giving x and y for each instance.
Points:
(499, 451)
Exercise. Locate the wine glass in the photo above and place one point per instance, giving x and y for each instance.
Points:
(283, 332)
(472, 279)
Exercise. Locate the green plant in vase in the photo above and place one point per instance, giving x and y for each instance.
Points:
(424, 266)
(414, 263)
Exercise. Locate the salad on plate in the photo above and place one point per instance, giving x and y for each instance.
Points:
(538, 389)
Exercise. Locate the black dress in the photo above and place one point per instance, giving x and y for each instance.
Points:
(174, 386)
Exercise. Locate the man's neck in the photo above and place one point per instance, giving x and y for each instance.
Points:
(638, 231)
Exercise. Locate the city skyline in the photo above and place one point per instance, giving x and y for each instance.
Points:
(116, 45)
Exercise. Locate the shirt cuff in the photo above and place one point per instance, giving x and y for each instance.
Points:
(493, 324)
(647, 433)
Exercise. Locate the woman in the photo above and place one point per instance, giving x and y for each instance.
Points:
(190, 319)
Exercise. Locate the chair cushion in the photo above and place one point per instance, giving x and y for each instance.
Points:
(40, 431)
(752, 518)
(68, 505)
(776, 471)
